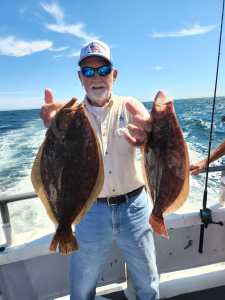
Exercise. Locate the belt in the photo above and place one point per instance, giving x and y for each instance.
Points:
(116, 200)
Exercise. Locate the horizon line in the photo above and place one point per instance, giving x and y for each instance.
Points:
(143, 101)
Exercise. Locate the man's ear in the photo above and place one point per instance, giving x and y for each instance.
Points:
(115, 73)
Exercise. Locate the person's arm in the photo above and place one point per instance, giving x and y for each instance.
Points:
(200, 166)
(50, 108)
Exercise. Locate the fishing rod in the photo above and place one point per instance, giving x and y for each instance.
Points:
(205, 213)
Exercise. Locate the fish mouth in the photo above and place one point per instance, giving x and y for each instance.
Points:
(162, 101)
(161, 98)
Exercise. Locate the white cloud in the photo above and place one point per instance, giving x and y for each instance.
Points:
(54, 10)
(58, 56)
(12, 47)
(74, 29)
(59, 49)
(22, 10)
(74, 54)
(196, 29)
(57, 13)
(157, 68)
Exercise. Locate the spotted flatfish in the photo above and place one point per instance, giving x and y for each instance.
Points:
(166, 163)
(67, 173)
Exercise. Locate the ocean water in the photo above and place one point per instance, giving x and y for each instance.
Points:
(22, 131)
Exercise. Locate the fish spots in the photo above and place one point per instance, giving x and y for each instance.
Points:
(53, 193)
(71, 172)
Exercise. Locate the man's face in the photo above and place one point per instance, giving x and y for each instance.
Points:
(98, 88)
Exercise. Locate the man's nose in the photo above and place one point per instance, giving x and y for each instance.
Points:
(96, 74)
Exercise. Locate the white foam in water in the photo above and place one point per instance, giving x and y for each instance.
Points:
(28, 217)
(197, 185)
(14, 147)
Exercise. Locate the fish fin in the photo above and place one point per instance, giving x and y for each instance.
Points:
(69, 104)
(185, 189)
(158, 225)
(39, 186)
(65, 240)
(144, 173)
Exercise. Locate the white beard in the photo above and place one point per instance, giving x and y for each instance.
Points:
(98, 96)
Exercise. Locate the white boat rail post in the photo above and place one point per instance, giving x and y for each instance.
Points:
(6, 226)
(4, 210)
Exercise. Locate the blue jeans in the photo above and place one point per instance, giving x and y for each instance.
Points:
(126, 223)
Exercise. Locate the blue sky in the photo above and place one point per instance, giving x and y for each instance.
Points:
(164, 44)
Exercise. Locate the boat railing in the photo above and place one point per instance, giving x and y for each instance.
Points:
(4, 210)
(5, 216)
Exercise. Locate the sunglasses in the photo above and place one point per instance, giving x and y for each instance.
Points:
(102, 71)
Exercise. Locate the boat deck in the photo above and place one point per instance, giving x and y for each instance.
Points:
(182, 269)
(217, 293)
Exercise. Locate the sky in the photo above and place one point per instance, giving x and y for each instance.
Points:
(169, 45)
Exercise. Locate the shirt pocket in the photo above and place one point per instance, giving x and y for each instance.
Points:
(121, 144)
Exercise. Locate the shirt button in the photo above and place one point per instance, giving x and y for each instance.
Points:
(113, 190)
(110, 172)
(106, 152)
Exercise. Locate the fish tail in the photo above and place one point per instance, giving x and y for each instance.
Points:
(65, 240)
(158, 225)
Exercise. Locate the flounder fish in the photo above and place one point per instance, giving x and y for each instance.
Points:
(67, 173)
(166, 163)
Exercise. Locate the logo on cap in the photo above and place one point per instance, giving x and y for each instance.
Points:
(94, 48)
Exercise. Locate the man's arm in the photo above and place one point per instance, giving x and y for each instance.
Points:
(198, 167)
(50, 108)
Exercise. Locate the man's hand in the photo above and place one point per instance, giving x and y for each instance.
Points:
(141, 125)
(198, 167)
(50, 108)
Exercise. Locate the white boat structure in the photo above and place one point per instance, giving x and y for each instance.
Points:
(29, 271)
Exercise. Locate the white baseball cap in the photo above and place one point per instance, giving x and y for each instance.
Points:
(95, 48)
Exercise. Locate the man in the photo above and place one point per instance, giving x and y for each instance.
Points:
(201, 165)
(121, 211)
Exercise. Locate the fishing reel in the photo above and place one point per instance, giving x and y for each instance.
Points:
(206, 218)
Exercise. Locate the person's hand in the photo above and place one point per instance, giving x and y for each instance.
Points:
(198, 167)
(138, 130)
(50, 108)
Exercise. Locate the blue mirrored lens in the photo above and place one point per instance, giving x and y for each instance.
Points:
(102, 71)
(88, 71)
